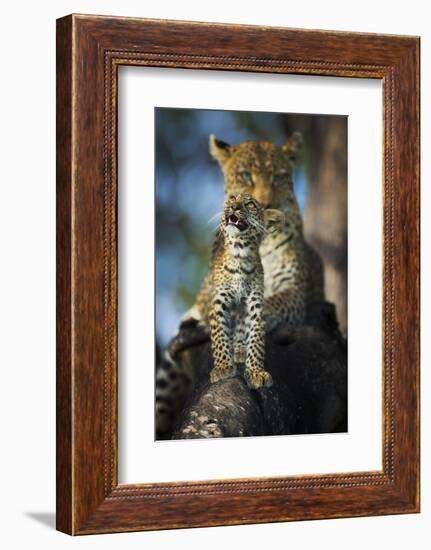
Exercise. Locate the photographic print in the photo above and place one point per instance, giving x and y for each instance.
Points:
(251, 273)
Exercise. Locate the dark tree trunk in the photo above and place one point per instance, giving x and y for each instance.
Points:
(325, 219)
(309, 395)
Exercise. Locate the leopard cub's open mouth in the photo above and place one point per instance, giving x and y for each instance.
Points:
(235, 221)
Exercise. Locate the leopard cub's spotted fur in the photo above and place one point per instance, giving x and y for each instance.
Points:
(231, 299)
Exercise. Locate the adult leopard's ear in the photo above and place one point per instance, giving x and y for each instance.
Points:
(219, 150)
(293, 147)
(273, 219)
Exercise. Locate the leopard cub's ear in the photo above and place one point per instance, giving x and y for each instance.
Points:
(220, 150)
(293, 147)
(273, 219)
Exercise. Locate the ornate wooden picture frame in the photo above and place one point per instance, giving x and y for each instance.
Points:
(89, 51)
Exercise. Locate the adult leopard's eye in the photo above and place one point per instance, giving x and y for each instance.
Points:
(245, 177)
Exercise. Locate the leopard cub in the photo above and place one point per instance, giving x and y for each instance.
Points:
(231, 299)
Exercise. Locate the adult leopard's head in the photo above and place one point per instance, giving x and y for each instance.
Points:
(260, 169)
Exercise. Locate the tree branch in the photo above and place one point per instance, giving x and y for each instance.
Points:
(309, 394)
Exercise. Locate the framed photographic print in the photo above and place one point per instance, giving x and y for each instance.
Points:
(237, 274)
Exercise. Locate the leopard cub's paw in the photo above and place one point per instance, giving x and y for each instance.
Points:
(221, 373)
(257, 378)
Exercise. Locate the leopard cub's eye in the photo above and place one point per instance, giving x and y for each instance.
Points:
(251, 204)
(245, 177)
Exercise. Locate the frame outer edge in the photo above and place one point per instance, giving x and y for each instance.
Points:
(64, 367)
(407, 273)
